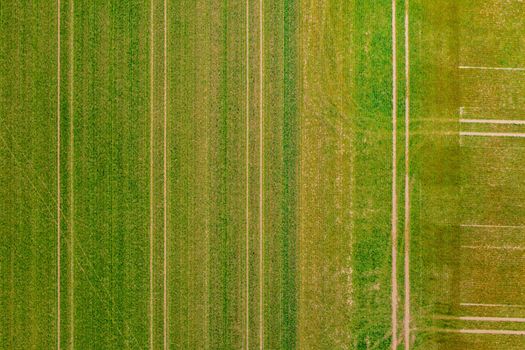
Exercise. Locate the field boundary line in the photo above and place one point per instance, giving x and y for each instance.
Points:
(406, 318)
(59, 221)
(394, 292)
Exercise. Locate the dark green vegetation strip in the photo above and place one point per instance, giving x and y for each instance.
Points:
(290, 177)
(111, 172)
(28, 143)
(373, 178)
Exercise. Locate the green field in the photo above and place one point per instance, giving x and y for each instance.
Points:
(256, 174)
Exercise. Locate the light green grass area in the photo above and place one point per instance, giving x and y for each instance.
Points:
(219, 174)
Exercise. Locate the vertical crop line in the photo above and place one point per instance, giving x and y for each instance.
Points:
(261, 175)
(247, 262)
(71, 174)
(394, 295)
(59, 221)
(406, 318)
(151, 179)
(165, 268)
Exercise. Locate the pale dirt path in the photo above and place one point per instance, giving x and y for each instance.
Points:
(406, 316)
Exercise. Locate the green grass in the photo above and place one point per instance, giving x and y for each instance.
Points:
(133, 72)
(28, 142)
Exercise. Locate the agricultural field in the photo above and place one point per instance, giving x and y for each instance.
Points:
(256, 174)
